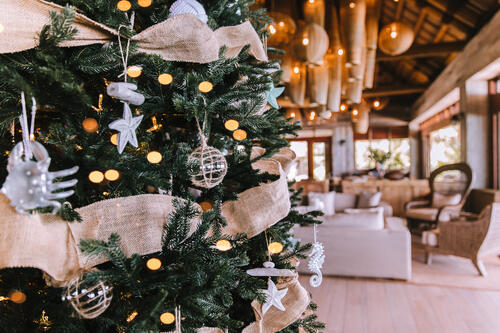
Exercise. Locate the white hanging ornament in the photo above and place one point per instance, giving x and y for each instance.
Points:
(89, 301)
(269, 270)
(273, 297)
(125, 92)
(126, 126)
(29, 184)
(213, 166)
(188, 7)
(316, 260)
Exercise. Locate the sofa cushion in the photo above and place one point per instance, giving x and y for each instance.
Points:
(425, 214)
(328, 200)
(344, 200)
(372, 219)
(369, 199)
(439, 200)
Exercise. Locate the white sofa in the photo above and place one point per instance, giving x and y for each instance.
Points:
(361, 243)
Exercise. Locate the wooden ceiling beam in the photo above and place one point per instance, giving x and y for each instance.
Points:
(425, 51)
(393, 91)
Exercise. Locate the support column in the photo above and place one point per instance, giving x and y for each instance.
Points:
(342, 149)
(475, 130)
(415, 152)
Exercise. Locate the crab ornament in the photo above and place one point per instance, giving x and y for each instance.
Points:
(30, 184)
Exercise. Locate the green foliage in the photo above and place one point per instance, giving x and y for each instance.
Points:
(211, 287)
(379, 155)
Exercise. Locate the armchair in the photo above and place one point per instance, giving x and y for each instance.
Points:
(446, 199)
(466, 238)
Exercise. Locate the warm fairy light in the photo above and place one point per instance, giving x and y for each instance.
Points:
(292, 114)
(305, 41)
(272, 29)
(340, 51)
(132, 316)
(114, 139)
(296, 70)
(223, 245)
(153, 264)
(281, 24)
(376, 103)
(343, 107)
(240, 135)
(205, 86)
(352, 4)
(112, 175)
(1, 28)
(17, 296)
(96, 177)
(355, 112)
(275, 247)
(154, 157)
(90, 125)
(134, 71)
(312, 115)
(124, 5)
(231, 125)
(144, 3)
(165, 78)
(394, 34)
(206, 206)
(167, 318)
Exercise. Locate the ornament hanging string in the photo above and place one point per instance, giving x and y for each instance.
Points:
(124, 55)
(28, 135)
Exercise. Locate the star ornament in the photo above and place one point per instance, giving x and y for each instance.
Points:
(126, 126)
(273, 297)
(272, 94)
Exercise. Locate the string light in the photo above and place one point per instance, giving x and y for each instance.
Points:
(154, 157)
(114, 139)
(240, 135)
(275, 247)
(340, 51)
(90, 125)
(153, 264)
(296, 70)
(205, 86)
(132, 316)
(206, 205)
(223, 245)
(165, 79)
(124, 5)
(343, 107)
(112, 175)
(156, 126)
(231, 125)
(144, 3)
(167, 318)
(96, 177)
(134, 71)
(312, 115)
(272, 29)
(17, 296)
(355, 112)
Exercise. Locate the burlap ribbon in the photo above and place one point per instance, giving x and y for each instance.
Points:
(48, 243)
(180, 38)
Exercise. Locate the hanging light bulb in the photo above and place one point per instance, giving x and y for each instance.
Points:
(296, 70)
(272, 29)
(355, 112)
(305, 41)
(312, 115)
(352, 4)
(340, 51)
(343, 107)
(376, 103)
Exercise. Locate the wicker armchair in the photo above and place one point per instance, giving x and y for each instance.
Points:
(466, 238)
(445, 200)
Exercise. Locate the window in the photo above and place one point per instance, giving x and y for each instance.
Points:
(313, 159)
(398, 159)
(444, 146)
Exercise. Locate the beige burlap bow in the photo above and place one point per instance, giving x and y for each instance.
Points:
(180, 38)
(50, 244)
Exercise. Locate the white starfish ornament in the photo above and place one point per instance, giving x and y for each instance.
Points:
(273, 297)
(126, 126)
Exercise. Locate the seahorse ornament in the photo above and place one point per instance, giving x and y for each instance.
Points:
(316, 260)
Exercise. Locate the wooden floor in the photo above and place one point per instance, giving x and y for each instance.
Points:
(372, 306)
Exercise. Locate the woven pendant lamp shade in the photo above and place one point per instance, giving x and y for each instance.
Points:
(297, 86)
(352, 19)
(282, 30)
(334, 61)
(318, 83)
(372, 19)
(310, 43)
(361, 121)
(314, 11)
(395, 38)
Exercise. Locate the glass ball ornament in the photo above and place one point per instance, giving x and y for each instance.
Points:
(88, 300)
(213, 166)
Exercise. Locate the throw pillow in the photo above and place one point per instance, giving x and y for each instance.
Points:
(439, 200)
(328, 200)
(369, 199)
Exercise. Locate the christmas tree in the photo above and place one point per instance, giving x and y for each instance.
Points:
(180, 185)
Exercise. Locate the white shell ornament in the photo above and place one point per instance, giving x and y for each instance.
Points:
(125, 92)
(89, 301)
(29, 184)
(188, 7)
(213, 166)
